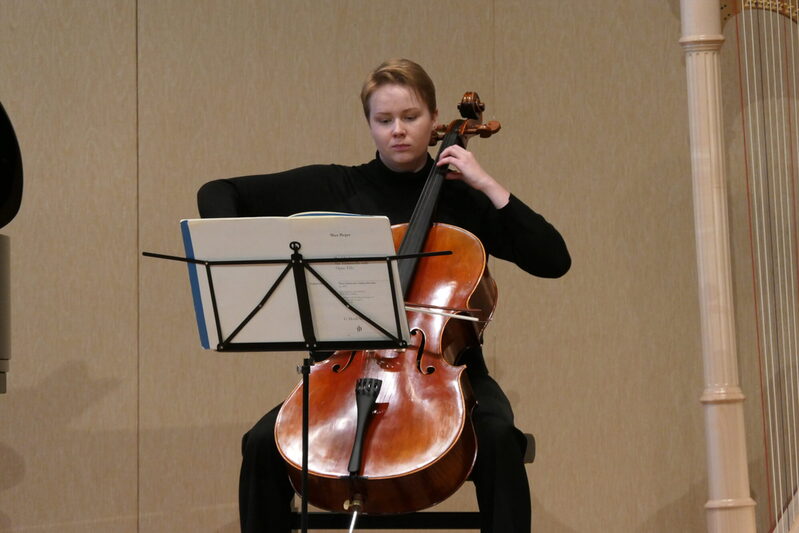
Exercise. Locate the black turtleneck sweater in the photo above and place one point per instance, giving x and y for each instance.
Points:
(515, 233)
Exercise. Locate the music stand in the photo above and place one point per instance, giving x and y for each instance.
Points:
(322, 232)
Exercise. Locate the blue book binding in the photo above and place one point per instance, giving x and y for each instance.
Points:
(195, 284)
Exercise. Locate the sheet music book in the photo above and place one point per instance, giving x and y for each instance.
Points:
(239, 288)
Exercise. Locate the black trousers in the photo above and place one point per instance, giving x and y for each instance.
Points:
(499, 476)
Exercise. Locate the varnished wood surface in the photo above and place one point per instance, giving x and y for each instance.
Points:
(419, 446)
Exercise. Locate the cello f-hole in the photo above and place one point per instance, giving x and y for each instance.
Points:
(339, 368)
(420, 353)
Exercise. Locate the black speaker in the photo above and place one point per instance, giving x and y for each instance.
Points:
(10, 170)
(10, 200)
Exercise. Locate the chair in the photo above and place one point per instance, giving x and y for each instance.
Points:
(423, 520)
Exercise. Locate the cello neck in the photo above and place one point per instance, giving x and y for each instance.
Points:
(457, 132)
(422, 216)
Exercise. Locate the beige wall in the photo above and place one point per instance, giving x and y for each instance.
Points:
(117, 421)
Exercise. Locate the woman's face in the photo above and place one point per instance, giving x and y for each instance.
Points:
(400, 125)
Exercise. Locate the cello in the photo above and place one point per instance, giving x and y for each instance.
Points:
(391, 429)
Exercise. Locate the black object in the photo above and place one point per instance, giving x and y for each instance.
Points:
(10, 170)
(422, 521)
(366, 391)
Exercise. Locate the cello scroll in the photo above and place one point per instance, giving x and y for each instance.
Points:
(471, 108)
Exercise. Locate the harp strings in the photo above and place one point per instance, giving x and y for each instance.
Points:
(767, 47)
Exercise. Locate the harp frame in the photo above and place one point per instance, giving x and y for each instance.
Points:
(730, 508)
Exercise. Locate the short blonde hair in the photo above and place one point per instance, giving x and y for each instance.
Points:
(400, 72)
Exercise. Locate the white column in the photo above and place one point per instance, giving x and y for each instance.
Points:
(730, 509)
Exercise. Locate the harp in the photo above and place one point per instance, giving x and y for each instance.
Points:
(768, 58)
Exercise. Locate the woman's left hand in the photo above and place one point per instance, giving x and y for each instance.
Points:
(468, 170)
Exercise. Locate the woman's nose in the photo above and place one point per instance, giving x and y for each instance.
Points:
(398, 128)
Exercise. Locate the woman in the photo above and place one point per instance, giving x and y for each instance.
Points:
(400, 106)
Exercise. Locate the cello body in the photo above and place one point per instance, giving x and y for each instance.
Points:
(419, 445)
